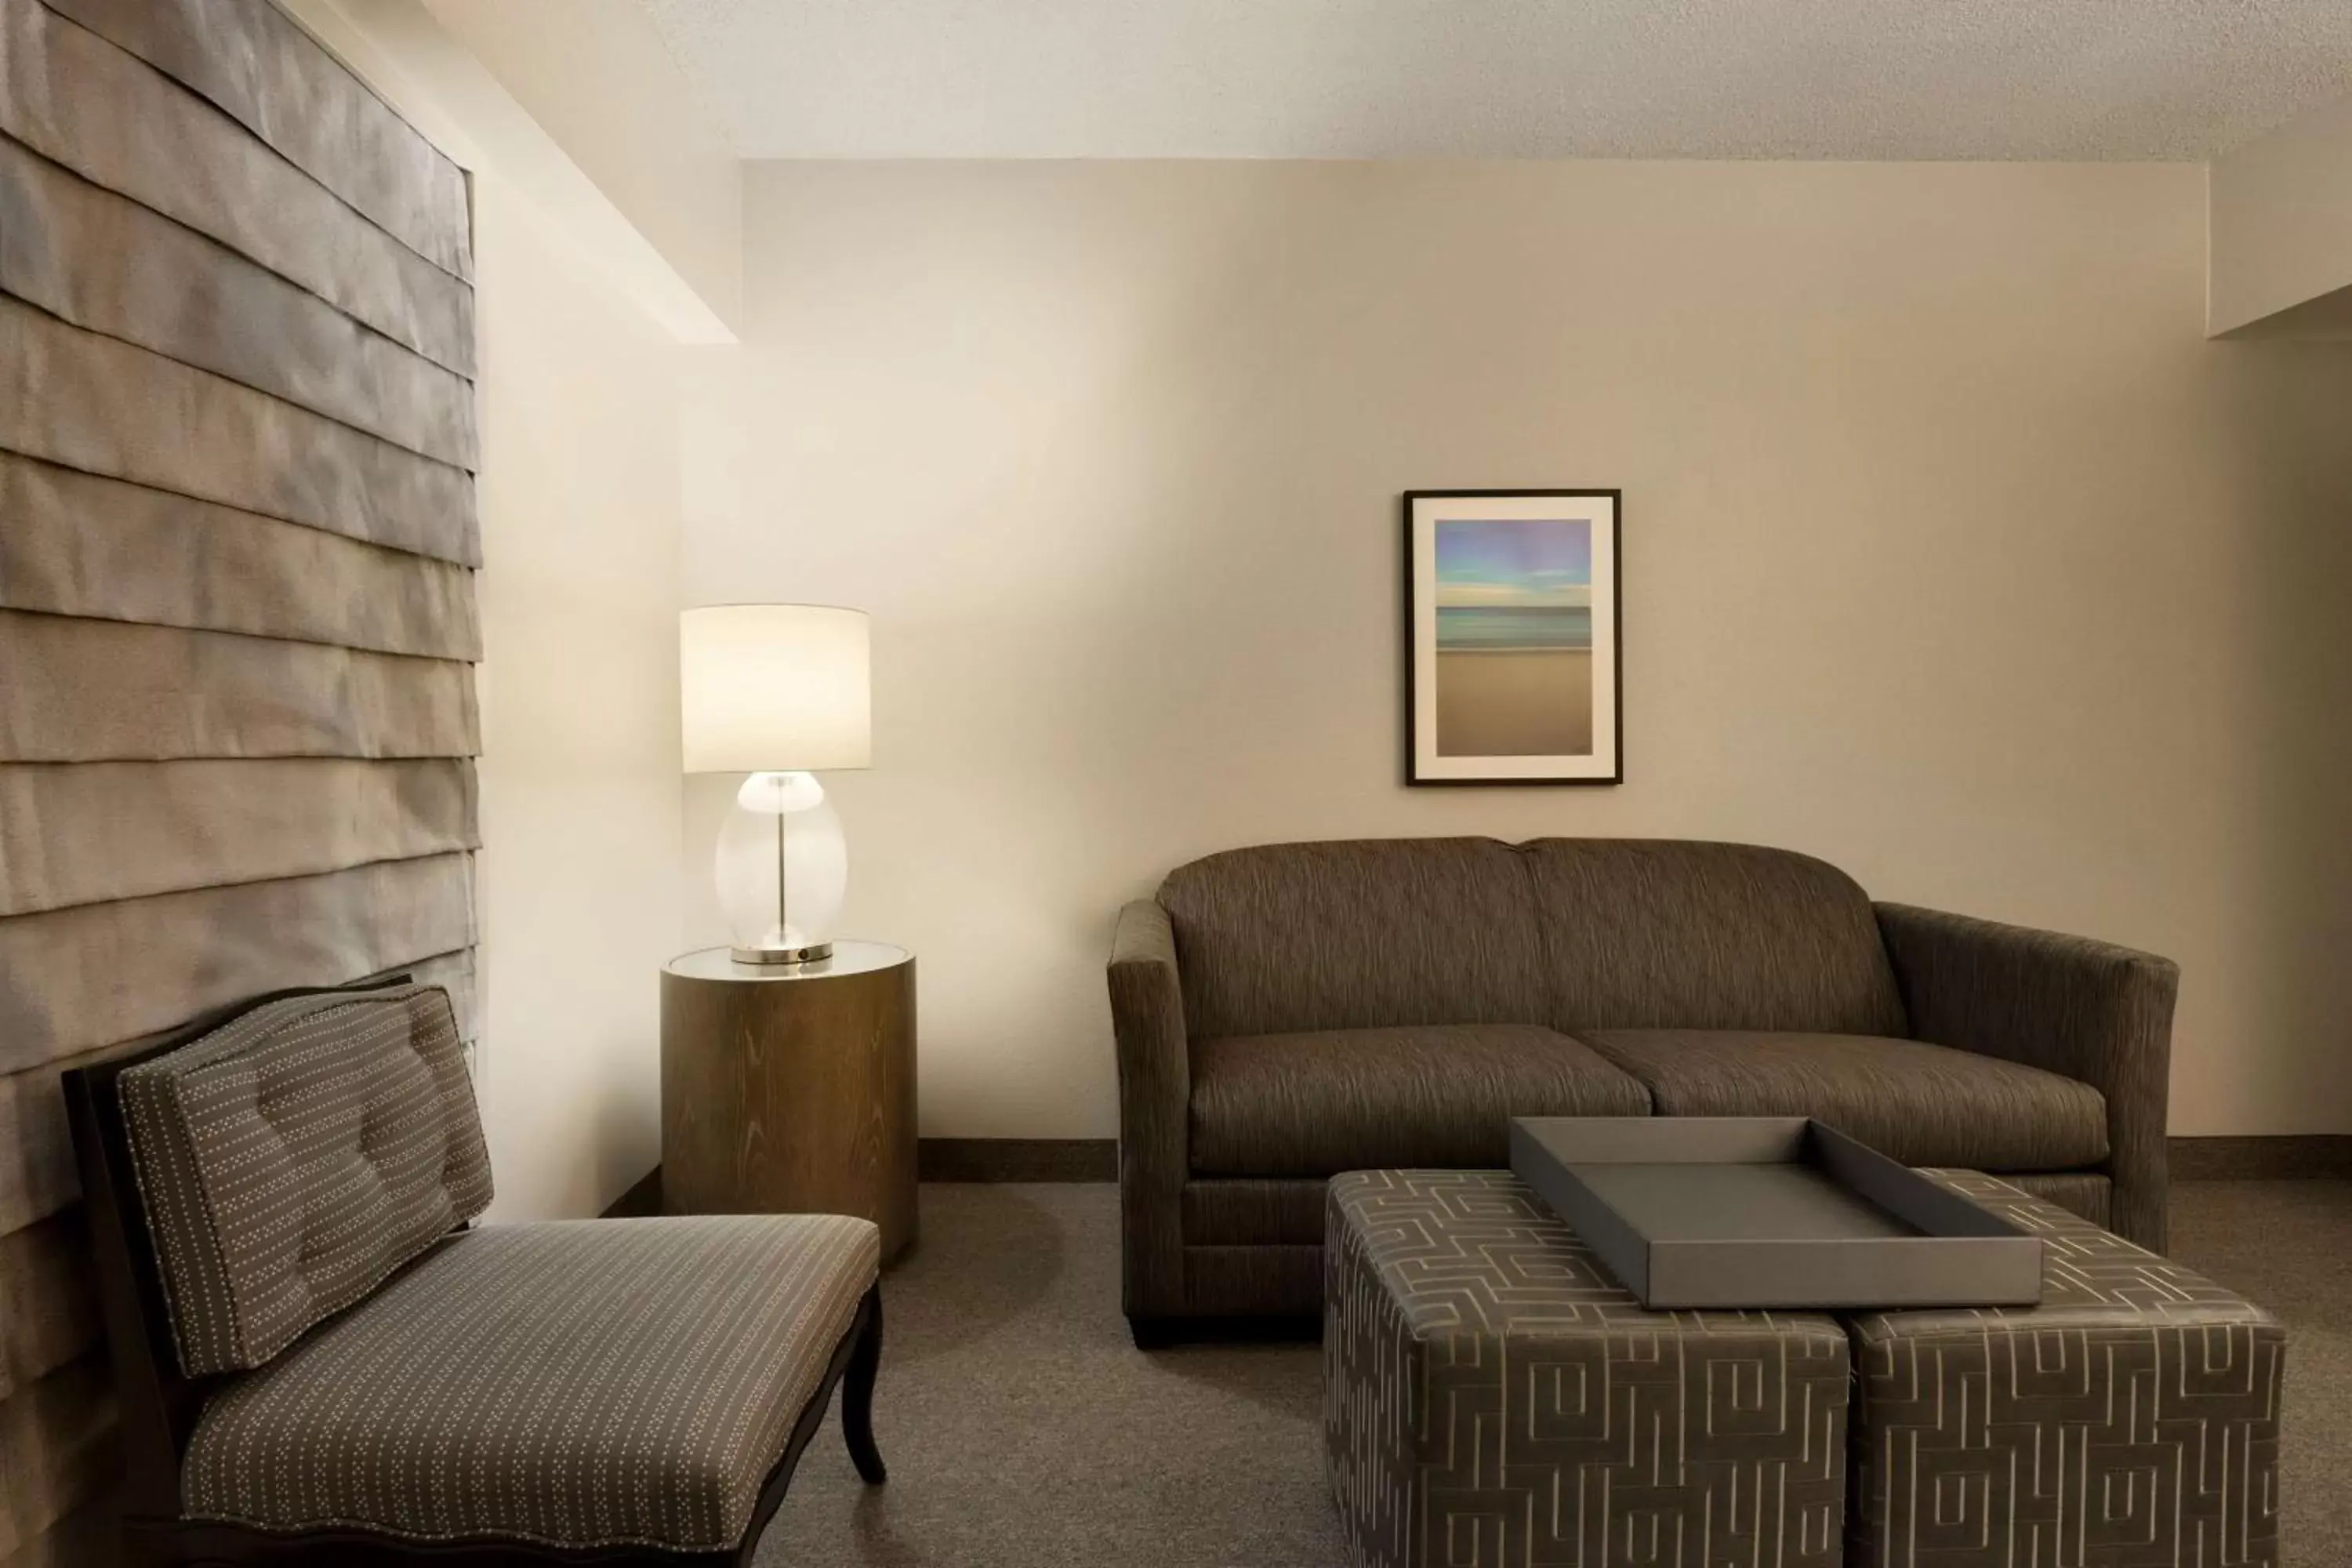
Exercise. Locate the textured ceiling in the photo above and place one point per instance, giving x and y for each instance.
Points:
(1554, 79)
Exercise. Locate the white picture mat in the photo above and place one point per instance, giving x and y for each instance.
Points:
(1601, 511)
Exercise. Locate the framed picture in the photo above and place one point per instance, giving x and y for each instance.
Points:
(1511, 637)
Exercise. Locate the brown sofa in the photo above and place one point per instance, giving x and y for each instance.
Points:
(1289, 1012)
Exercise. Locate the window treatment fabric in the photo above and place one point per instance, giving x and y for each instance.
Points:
(238, 620)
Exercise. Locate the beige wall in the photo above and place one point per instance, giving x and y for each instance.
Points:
(2281, 217)
(596, 76)
(580, 505)
(578, 110)
(1953, 552)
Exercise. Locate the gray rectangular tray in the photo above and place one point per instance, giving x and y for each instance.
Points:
(1768, 1211)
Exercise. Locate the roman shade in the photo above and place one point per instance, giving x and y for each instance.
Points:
(237, 614)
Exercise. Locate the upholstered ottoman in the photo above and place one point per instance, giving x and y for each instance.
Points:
(2132, 1418)
(1491, 1396)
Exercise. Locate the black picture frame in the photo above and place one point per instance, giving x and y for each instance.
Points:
(1417, 770)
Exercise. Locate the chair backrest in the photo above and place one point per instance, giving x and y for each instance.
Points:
(160, 1400)
(290, 1160)
(1570, 932)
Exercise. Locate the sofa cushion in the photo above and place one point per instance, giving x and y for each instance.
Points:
(1355, 935)
(1922, 1104)
(1342, 1099)
(1664, 934)
(292, 1158)
(584, 1383)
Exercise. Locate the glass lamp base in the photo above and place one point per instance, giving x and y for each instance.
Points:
(805, 952)
(783, 870)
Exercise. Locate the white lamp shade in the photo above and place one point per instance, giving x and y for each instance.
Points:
(774, 687)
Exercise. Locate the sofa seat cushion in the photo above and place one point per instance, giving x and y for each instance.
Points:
(1345, 1100)
(1921, 1104)
(584, 1383)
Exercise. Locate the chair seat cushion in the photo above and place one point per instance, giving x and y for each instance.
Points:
(1921, 1104)
(1343, 1100)
(588, 1383)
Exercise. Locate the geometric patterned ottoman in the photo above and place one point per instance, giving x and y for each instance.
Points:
(1491, 1396)
(2132, 1418)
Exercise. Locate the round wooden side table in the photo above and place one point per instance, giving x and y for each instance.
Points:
(790, 1088)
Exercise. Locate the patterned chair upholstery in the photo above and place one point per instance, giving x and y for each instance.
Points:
(596, 1383)
(294, 1157)
(319, 1359)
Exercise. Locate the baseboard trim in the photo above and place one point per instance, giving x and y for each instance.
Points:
(1018, 1159)
(949, 1160)
(2261, 1158)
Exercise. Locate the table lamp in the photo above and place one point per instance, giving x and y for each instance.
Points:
(777, 691)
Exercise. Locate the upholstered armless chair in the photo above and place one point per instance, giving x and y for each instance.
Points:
(320, 1361)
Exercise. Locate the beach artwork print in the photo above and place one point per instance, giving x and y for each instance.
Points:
(1513, 637)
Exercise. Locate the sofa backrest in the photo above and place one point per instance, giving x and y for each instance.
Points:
(1354, 935)
(1572, 933)
(1664, 934)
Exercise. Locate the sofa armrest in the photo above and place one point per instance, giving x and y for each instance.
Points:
(2096, 1012)
(1155, 1092)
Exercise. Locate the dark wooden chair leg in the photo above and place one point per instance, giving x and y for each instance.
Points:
(858, 1395)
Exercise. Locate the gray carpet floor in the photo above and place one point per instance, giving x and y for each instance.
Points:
(1024, 1430)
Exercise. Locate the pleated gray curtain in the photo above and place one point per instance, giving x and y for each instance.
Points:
(237, 623)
